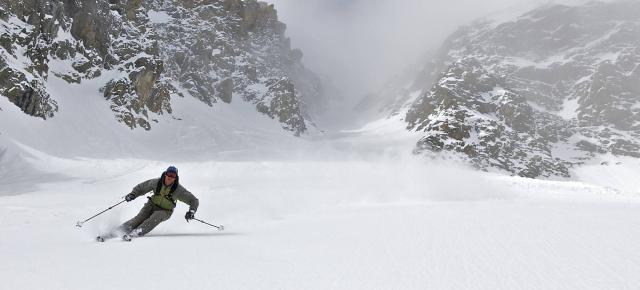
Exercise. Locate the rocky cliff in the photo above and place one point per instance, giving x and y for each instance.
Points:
(147, 52)
(537, 94)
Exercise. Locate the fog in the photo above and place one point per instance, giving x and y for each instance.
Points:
(359, 44)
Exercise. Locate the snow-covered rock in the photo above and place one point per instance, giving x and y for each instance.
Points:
(517, 95)
(148, 52)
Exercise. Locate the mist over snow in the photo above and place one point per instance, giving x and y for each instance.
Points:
(361, 44)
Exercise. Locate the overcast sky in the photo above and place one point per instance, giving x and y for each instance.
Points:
(362, 43)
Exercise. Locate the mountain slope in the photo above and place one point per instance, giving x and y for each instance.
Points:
(145, 54)
(538, 94)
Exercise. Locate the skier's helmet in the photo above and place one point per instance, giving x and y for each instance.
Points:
(172, 169)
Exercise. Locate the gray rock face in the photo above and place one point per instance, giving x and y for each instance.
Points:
(509, 95)
(218, 49)
(470, 112)
(24, 86)
(213, 50)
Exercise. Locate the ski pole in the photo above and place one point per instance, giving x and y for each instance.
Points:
(220, 227)
(79, 224)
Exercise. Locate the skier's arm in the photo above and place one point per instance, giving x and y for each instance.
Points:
(188, 198)
(144, 187)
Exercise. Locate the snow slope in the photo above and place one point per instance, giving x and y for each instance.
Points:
(330, 220)
(86, 127)
(324, 225)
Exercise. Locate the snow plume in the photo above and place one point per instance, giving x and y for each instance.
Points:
(280, 188)
(271, 188)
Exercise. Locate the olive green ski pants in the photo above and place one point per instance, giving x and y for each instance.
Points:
(148, 218)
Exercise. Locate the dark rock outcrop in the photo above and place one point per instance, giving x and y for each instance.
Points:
(153, 51)
(534, 95)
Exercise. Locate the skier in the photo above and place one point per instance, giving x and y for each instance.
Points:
(166, 190)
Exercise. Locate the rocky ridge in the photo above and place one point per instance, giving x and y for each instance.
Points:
(148, 52)
(533, 96)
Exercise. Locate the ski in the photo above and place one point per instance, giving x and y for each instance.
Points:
(103, 238)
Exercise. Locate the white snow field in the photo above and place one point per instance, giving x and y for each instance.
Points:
(386, 223)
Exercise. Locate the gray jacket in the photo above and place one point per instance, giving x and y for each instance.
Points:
(180, 193)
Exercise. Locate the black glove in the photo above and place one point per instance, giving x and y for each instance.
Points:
(130, 197)
(189, 215)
